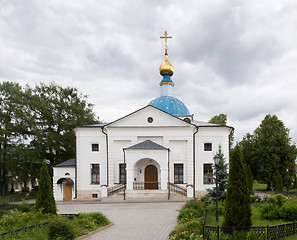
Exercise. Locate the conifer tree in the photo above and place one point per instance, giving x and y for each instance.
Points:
(249, 178)
(222, 178)
(45, 199)
(279, 186)
(237, 204)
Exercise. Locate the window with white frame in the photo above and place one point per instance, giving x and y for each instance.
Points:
(178, 173)
(207, 146)
(95, 174)
(122, 172)
(207, 174)
(95, 147)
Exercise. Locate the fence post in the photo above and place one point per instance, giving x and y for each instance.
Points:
(267, 232)
(203, 230)
(218, 232)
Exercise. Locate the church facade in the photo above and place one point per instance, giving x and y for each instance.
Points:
(158, 151)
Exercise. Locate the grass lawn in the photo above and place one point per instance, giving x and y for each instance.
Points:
(259, 186)
(16, 197)
(256, 217)
(59, 225)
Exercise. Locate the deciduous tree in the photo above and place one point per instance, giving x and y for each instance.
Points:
(269, 150)
(221, 119)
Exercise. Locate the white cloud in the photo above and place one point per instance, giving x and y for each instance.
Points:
(234, 57)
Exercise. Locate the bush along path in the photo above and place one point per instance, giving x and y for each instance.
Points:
(189, 225)
(273, 218)
(33, 224)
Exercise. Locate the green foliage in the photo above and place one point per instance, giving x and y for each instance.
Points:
(60, 225)
(34, 234)
(278, 182)
(259, 186)
(249, 178)
(24, 207)
(220, 119)
(14, 219)
(191, 210)
(295, 182)
(45, 199)
(255, 199)
(237, 204)
(279, 207)
(289, 210)
(269, 149)
(61, 228)
(189, 221)
(45, 116)
(221, 171)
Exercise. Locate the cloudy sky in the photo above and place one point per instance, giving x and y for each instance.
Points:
(229, 56)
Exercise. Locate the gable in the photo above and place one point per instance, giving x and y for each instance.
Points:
(149, 116)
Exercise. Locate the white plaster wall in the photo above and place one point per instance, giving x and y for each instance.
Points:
(179, 155)
(58, 189)
(85, 137)
(139, 119)
(217, 136)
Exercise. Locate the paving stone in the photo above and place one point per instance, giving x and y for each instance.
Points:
(133, 221)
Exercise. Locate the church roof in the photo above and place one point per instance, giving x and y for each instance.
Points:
(170, 105)
(207, 124)
(68, 163)
(148, 144)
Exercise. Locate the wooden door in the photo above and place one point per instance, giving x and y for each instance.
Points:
(67, 191)
(151, 177)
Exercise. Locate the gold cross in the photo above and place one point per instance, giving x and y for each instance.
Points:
(166, 37)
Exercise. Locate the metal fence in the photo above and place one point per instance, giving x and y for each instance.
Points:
(146, 185)
(268, 232)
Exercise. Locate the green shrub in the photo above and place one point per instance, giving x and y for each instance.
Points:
(255, 199)
(60, 228)
(191, 210)
(279, 207)
(98, 218)
(24, 207)
(188, 214)
(190, 230)
(289, 210)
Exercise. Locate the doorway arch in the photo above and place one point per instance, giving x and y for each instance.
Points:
(151, 177)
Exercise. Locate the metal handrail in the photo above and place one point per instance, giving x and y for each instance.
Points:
(176, 188)
(115, 189)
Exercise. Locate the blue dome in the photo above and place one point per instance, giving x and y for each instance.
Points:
(170, 105)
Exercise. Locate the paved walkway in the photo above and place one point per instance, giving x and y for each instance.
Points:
(133, 221)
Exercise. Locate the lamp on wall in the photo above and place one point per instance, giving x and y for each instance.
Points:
(140, 170)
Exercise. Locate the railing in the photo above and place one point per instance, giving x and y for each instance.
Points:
(146, 185)
(115, 189)
(269, 232)
(176, 188)
(287, 193)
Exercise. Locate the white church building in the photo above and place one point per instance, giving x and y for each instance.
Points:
(158, 151)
